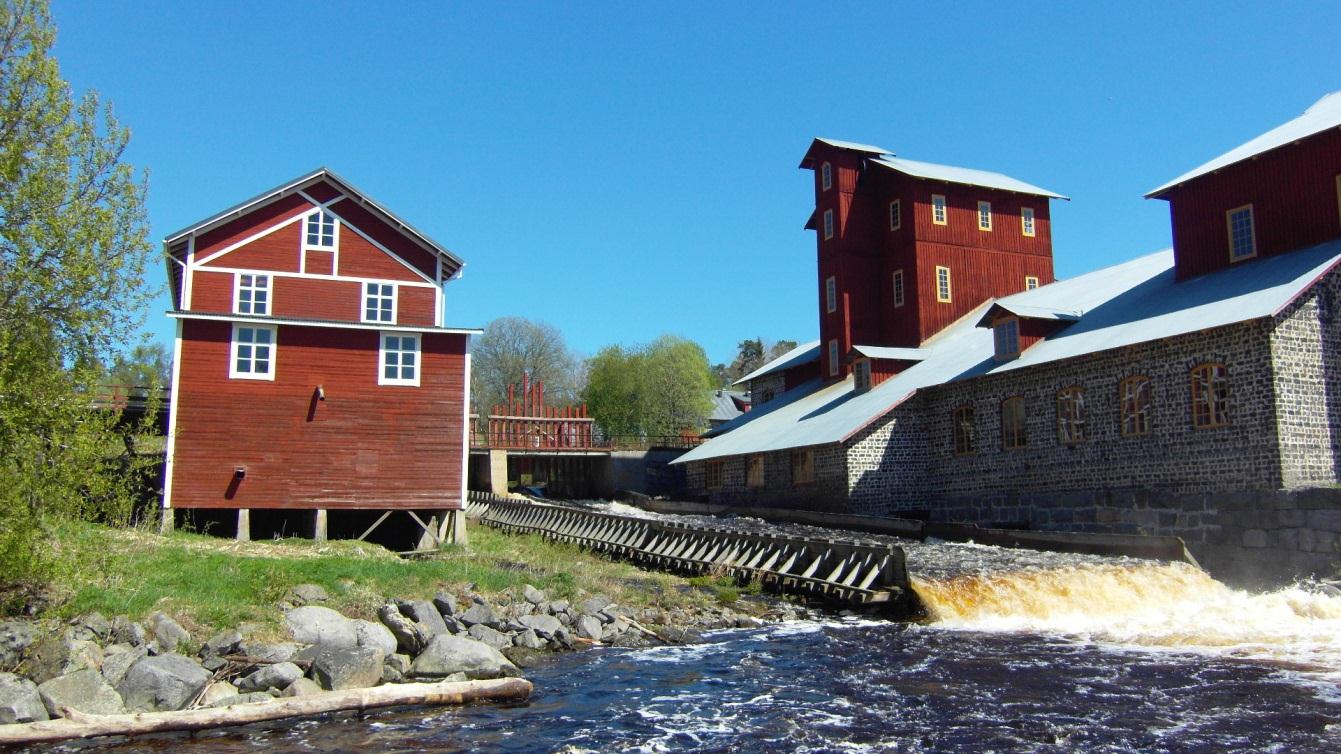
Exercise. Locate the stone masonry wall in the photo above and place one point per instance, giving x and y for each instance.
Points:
(1305, 352)
(769, 383)
(828, 491)
(887, 463)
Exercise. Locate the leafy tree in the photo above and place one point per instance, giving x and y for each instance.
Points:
(750, 358)
(779, 348)
(513, 348)
(73, 247)
(144, 369)
(654, 390)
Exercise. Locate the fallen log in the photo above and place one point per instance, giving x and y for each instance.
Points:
(81, 725)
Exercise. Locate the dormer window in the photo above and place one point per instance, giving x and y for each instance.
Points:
(1006, 336)
(826, 176)
(984, 215)
(895, 215)
(861, 375)
(1242, 235)
(1027, 221)
(828, 224)
(938, 209)
(320, 230)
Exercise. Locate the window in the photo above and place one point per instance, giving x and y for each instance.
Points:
(828, 224)
(712, 475)
(252, 294)
(1013, 434)
(963, 430)
(1210, 396)
(320, 230)
(1338, 196)
(833, 358)
(1134, 395)
(1027, 221)
(1071, 416)
(861, 375)
(1242, 239)
(830, 294)
(399, 358)
(803, 466)
(898, 288)
(1030, 282)
(379, 302)
(938, 209)
(252, 354)
(984, 215)
(895, 215)
(754, 471)
(826, 176)
(1006, 336)
(943, 284)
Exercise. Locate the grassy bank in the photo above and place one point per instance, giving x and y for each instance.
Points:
(209, 584)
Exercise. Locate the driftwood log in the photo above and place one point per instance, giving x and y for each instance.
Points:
(81, 725)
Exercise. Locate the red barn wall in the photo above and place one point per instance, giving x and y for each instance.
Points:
(1292, 189)
(391, 238)
(231, 232)
(277, 252)
(365, 446)
(313, 298)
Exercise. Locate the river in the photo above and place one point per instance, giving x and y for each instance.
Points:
(1086, 657)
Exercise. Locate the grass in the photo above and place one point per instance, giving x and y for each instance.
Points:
(209, 584)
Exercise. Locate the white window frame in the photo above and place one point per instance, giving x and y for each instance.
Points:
(861, 375)
(240, 284)
(828, 224)
(944, 290)
(985, 216)
(1030, 282)
(1027, 221)
(235, 345)
(1252, 233)
(895, 215)
(833, 358)
(940, 213)
(900, 293)
(379, 295)
(826, 176)
(383, 351)
(1006, 338)
(318, 216)
(830, 294)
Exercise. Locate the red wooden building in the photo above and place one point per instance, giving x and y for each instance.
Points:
(314, 381)
(905, 248)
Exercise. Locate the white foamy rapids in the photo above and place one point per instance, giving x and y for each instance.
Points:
(1169, 606)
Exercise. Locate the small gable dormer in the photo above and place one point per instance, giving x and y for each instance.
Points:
(872, 365)
(1274, 194)
(1016, 327)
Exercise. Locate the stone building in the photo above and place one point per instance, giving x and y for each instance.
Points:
(1195, 391)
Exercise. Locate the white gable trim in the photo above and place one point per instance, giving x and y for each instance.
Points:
(257, 235)
(380, 247)
(315, 276)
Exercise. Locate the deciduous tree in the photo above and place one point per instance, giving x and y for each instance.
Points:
(513, 348)
(660, 389)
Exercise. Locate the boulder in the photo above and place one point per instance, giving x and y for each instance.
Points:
(400, 662)
(306, 594)
(372, 634)
(446, 655)
(222, 643)
(303, 687)
(529, 640)
(118, 660)
(593, 605)
(446, 604)
(61, 654)
(313, 624)
(479, 613)
(337, 669)
(545, 626)
(127, 631)
(216, 691)
(165, 682)
(278, 676)
(281, 652)
(251, 698)
(168, 633)
(92, 627)
(556, 607)
(524, 657)
(19, 700)
(532, 595)
(590, 627)
(495, 639)
(426, 614)
(410, 636)
(15, 638)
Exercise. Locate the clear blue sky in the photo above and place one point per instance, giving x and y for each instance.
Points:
(629, 169)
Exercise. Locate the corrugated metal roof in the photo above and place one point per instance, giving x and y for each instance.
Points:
(1322, 115)
(853, 146)
(724, 405)
(803, 353)
(893, 354)
(968, 176)
(1027, 312)
(1134, 302)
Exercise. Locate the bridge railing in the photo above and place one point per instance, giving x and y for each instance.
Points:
(563, 433)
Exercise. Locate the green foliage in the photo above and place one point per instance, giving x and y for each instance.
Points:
(659, 389)
(73, 245)
(751, 355)
(144, 369)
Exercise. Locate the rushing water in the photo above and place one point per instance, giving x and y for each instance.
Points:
(1088, 657)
